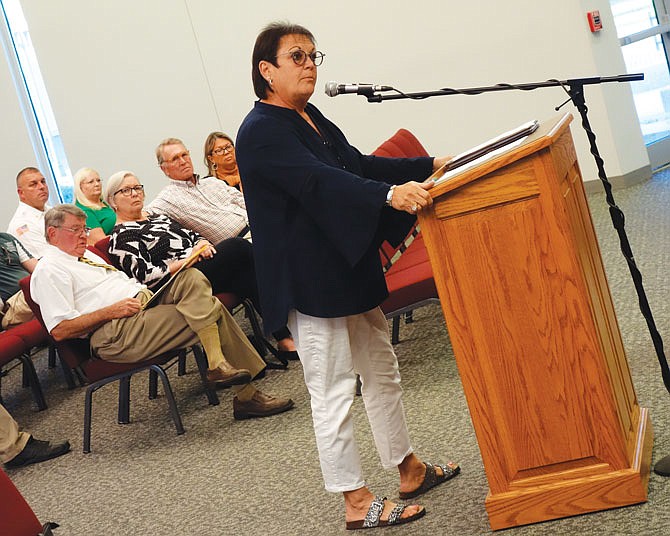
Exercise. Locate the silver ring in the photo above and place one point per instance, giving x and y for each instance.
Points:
(414, 207)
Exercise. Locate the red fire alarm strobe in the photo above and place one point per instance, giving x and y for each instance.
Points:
(594, 21)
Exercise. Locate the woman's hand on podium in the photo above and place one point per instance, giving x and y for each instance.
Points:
(412, 196)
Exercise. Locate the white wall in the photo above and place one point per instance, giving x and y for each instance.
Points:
(15, 147)
(123, 75)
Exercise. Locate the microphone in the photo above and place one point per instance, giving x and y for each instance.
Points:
(333, 89)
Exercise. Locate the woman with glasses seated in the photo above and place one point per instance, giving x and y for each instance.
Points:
(152, 247)
(220, 159)
(89, 195)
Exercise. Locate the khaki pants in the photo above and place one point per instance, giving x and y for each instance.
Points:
(185, 308)
(17, 311)
(12, 442)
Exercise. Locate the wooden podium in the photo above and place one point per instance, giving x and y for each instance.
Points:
(531, 320)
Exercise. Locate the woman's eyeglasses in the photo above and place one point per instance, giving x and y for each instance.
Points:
(130, 190)
(299, 57)
(223, 150)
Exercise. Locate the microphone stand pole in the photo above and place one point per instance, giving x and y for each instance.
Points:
(575, 90)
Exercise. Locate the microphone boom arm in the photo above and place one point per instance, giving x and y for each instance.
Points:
(506, 87)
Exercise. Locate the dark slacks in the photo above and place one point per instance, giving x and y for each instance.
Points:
(232, 269)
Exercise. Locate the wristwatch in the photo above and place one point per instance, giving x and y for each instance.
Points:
(389, 195)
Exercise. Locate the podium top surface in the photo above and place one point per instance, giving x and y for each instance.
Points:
(548, 131)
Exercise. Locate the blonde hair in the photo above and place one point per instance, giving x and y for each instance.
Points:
(79, 176)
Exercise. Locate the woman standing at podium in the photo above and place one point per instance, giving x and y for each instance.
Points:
(318, 211)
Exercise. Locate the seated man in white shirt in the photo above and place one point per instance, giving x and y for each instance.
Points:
(78, 299)
(27, 224)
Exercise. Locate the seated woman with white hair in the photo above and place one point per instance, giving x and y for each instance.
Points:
(152, 247)
(89, 196)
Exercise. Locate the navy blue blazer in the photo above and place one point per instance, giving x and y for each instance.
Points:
(317, 213)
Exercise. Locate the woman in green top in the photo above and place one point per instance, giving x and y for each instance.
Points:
(100, 218)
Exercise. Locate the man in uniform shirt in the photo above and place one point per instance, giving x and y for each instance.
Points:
(27, 224)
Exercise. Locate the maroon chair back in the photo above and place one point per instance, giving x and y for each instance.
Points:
(16, 516)
(101, 249)
(409, 276)
(403, 144)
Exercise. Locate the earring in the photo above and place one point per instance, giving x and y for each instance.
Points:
(215, 166)
(270, 81)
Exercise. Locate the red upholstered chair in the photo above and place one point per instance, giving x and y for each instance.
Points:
(15, 345)
(16, 516)
(409, 276)
(97, 373)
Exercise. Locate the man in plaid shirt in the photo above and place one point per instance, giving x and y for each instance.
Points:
(208, 206)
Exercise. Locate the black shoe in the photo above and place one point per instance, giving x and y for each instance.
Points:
(37, 451)
(288, 355)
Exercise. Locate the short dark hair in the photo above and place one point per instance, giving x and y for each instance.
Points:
(266, 47)
(25, 170)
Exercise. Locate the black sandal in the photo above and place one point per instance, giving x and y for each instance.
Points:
(373, 517)
(432, 479)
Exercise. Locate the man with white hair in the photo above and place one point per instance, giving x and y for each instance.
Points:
(80, 295)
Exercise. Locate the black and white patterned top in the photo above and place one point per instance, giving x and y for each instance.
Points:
(143, 248)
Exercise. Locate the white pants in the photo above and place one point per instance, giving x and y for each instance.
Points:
(332, 352)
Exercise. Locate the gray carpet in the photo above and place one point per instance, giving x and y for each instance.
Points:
(262, 476)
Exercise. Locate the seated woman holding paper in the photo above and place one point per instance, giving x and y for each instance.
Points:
(151, 248)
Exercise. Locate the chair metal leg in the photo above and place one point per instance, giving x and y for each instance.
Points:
(25, 375)
(409, 317)
(153, 385)
(52, 356)
(201, 361)
(30, 375)
(259, 338)
(261, 344)
(88, 403)
(181, 366)
(395, 330)
(67, 371)
(124, 400)
(172, 403)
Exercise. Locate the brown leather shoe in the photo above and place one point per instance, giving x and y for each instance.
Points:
(220, 377)
(260, 405)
